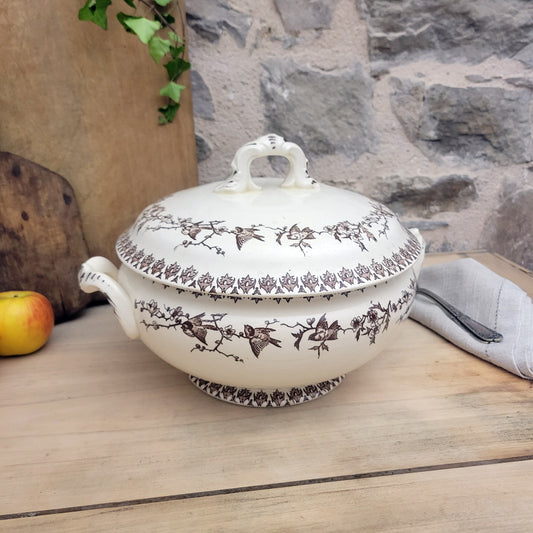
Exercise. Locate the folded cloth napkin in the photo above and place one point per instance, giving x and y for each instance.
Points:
(488, 298)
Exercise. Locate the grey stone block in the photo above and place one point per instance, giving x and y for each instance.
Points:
(299, 15)
(202, 102)
(203, 150)
(508, 230)
(210, 18)
(422, 196)
(447, 30)
(473, 124)
(324, 112)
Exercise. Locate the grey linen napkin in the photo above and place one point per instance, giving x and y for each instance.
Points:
(488, 298)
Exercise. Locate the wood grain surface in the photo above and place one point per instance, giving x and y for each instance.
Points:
(470, 499)
(82, 102)
(98, 432)
(41, 238)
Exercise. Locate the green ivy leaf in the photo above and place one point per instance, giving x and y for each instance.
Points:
(169, 19)
(145, 29)
(168, 112)
(140, 26)
(158, 47)
(176, 67)
(95, 11)
(177, 51)
(172, 90)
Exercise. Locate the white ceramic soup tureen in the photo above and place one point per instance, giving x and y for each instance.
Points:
(266, 292)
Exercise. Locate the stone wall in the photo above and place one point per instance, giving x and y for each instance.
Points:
(423, 105)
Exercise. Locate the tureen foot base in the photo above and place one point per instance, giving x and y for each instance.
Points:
(279, 397)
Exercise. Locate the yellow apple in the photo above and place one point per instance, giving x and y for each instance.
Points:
(26, 321)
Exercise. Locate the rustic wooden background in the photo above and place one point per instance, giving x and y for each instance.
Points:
(82, 103)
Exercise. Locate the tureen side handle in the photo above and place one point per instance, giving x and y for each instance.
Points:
(100, 274)
(417, 267)
(241, 181)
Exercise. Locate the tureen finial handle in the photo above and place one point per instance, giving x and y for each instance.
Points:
(271, 144)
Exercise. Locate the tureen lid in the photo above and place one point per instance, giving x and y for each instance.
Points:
(269, 237)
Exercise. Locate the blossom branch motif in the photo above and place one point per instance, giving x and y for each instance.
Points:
(296, 237)
(197, 233)
(319, 334)
(196, 327)
(193, 229)
(200, 233)
(373, 322)
(379, 215)
(211, 334)
(377, 318)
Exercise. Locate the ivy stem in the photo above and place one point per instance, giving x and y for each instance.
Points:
(159, 15)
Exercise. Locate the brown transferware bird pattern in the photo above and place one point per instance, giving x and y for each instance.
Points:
(214, 333)
(204, 233)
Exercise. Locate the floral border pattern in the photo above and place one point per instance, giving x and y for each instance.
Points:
(261, 398)
(189, 277)
(213, 332)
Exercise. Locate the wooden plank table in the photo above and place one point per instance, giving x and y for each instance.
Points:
(99, 434)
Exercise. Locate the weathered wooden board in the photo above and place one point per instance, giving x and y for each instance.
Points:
(41, 238)
(83, 102)
(494, 497)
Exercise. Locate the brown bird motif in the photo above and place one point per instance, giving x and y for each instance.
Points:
(195, 327)
(297, 234)
(191, 229)
(259, 338)
(243, 235)
(324, 332)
